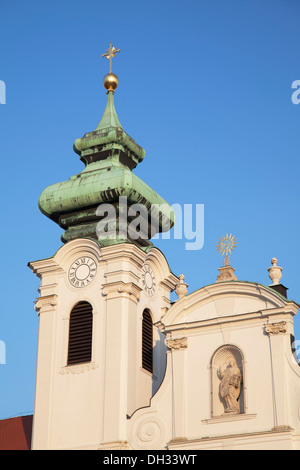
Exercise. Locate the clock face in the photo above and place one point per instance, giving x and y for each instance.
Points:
(82, 272)
(148, 280)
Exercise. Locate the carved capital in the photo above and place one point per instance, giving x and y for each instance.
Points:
(115, 289)
(46, 303)
(179, 343)
(275, 328)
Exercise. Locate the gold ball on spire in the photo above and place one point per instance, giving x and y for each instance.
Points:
(110, 81)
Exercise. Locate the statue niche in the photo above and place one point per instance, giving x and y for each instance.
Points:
(227, 381)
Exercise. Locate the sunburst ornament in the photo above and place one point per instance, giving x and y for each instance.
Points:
(225, 246)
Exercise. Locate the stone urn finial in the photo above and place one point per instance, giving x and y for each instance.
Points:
(181, 288)
(275, 272)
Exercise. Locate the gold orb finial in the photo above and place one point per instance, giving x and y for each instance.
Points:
(110, 80)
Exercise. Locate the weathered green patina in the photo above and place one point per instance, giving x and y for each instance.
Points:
(108, 136)
(109, 155)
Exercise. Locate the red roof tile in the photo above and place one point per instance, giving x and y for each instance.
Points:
(15, 433)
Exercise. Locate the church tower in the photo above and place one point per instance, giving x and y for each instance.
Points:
(101, 355)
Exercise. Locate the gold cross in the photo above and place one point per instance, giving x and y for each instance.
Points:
(110, 54)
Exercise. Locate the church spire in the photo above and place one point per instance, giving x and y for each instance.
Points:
(109, 137)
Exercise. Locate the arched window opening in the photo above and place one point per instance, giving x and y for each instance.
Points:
(80, 334)
(147, 341)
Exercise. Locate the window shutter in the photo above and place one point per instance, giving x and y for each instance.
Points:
(80, 334)
(147, 341)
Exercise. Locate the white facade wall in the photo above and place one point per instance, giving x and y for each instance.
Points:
(107, 404)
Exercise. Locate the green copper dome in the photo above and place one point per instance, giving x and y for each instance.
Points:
(109, 155)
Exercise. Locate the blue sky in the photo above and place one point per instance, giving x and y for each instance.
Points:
(205, 89)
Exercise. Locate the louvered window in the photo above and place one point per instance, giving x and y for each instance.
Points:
(147, 341)
(80, 334)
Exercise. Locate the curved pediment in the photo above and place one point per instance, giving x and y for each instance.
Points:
(223, 300)
(160, 265)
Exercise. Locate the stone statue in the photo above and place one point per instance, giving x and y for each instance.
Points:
(230, 386)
